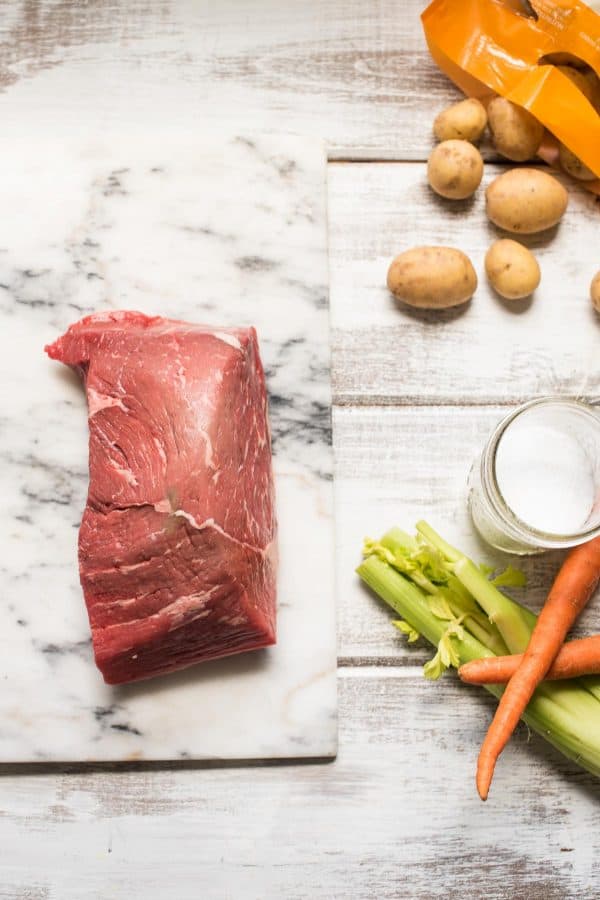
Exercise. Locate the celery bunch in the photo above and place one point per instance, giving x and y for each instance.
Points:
(443, 596)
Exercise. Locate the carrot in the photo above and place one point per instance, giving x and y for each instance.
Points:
(572, 588)
(581, 657)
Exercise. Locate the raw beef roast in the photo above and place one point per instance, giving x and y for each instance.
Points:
(177, 552)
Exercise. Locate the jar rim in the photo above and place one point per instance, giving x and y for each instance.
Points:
(520, 530)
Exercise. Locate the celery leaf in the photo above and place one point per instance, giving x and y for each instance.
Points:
(447, 653)
(440, 607)
(450, 653)
(435, 668)
(374, 548)
(431, 563)
(511, 577)
(411, 633)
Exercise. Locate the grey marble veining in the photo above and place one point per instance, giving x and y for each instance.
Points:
(229, 230)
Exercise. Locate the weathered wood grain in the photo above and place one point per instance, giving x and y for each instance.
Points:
(394, 467)
(488, 351)
(36, 35)
(396, 816)
(356, 73)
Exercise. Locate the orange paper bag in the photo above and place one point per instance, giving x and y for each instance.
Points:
(488, 46)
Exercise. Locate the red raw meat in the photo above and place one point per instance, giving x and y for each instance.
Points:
(177, 551)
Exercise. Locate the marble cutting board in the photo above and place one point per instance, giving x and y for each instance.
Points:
(227, 230)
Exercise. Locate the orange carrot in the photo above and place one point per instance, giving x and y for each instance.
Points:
(572, 588)
(581, 657)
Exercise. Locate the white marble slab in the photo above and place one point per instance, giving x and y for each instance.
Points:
(230, 230)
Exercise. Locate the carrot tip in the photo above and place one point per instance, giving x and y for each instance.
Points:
(483, 780)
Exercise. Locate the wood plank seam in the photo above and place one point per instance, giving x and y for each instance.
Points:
(356, 401)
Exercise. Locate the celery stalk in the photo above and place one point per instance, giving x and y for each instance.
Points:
(409, 601)
(517, 619)
(565, 713)
(515, 622)
(461, 602)
(486, 636)
(506, 615)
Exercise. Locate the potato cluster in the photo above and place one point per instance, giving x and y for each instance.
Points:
(521, 201)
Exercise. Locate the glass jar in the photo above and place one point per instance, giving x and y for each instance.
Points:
(536, 485)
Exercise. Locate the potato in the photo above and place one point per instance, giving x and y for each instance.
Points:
(573, 166)
(586, 80)
(465, 120)
(562, 59)
(580, 80)
(516, 133)
(595, 291)
(594, 83)
(512, 269)
(432, 277)
(455, 169)
(525, 201)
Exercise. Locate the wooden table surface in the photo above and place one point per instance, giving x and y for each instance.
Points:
(396, 815)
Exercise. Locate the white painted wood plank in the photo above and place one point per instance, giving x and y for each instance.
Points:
(355, 73)
(484, 352)
(394, 467)
(396, 816)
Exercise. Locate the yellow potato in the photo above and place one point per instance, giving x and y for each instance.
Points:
(465, 120)
(516, 133)
(589, 85)
(525, 201)
(594, 83)
(512, 269)
(562, 59)
(455, 169)
(580, 80)
(595, 291)
(573, 166)
(432, 277)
